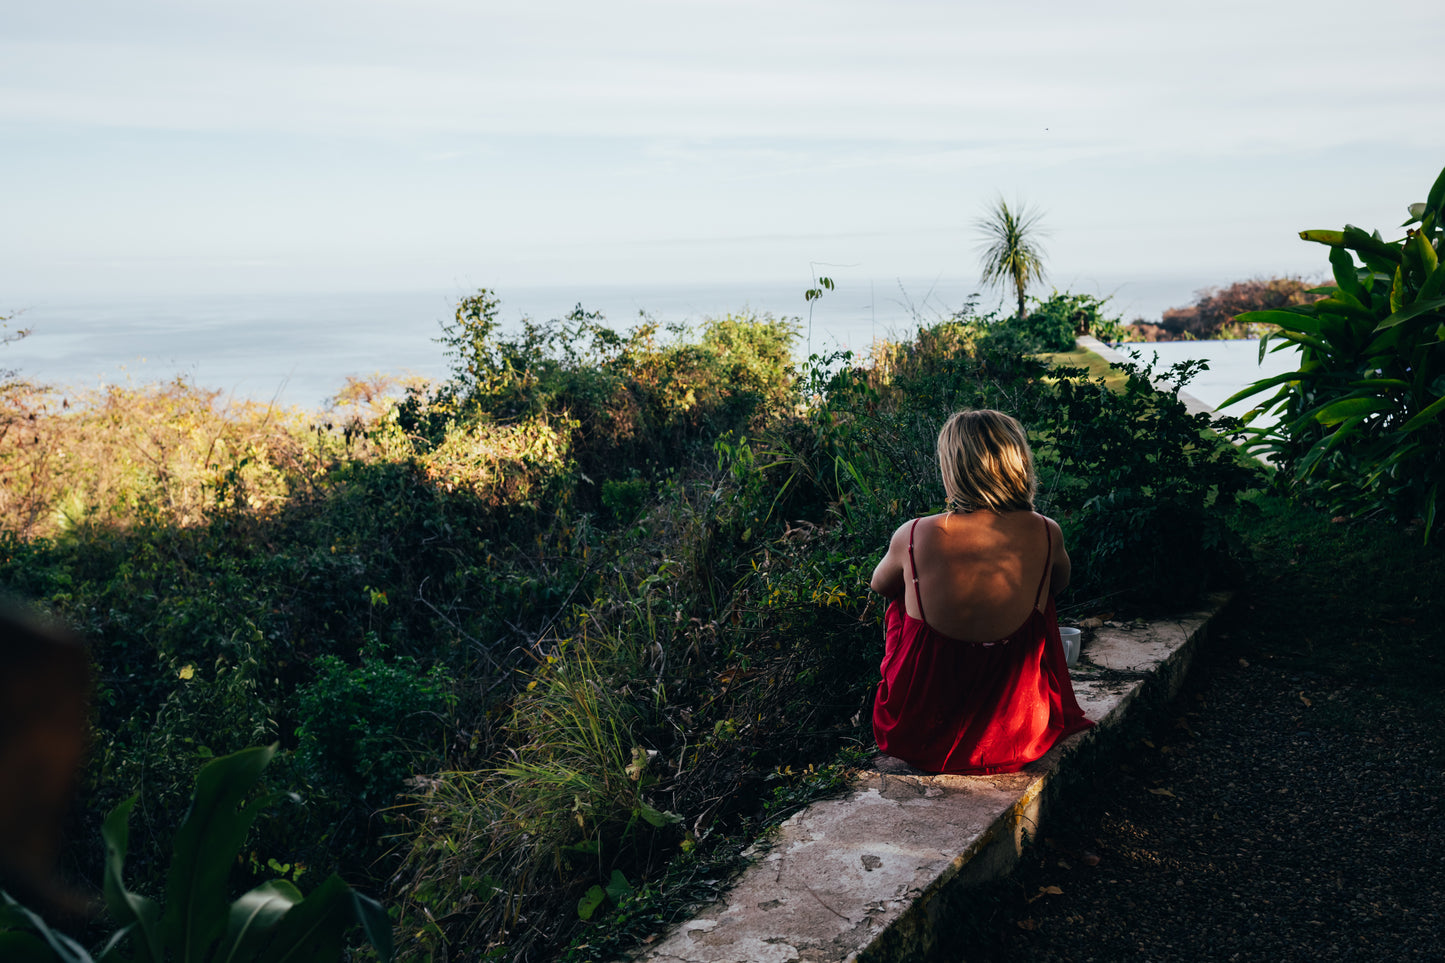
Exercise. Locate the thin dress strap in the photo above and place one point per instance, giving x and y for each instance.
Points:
(914, 566)
(1048, 562)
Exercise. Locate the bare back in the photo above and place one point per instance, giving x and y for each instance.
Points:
(978, 573)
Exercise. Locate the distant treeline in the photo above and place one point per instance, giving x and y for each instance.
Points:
(1212, 315)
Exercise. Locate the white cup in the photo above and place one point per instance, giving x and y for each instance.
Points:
(1072, 642)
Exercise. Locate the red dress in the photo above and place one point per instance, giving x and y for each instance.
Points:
(945, 705)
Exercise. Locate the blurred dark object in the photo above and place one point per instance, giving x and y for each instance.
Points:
(44, 711)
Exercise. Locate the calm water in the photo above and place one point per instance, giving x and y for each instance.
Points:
(298, 349)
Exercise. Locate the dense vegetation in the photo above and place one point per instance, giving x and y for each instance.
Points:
(528, 638)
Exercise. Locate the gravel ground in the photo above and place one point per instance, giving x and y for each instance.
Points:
(1277, 813)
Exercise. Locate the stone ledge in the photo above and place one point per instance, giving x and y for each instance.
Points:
(1191, 404)
(875, 874)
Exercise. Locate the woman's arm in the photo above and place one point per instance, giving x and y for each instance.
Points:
(1062, 567)
(887, 578)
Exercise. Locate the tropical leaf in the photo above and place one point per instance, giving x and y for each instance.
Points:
(1290, 320)
(1401, 315)
(1264, 384)
(1347, 408)
(1429, 414)
(206, 845)
(26, 937)
(1347, 275)
(137, 915)
(253, 919)
(313, 929)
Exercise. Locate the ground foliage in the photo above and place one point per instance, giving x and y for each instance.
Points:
(582, 586)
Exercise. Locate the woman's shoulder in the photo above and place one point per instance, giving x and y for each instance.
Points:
(1021, 527)
(910, 525)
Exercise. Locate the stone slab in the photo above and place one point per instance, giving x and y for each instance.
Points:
(1191, 404)
(871, 875)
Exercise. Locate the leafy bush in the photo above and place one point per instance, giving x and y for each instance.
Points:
(629, 401)
(1362, 421)
(368, 727)
(1142, 487)
(1052, 325)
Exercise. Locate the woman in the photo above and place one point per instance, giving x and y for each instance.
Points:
(974, 677)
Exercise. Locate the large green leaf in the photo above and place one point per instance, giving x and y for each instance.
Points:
(1413, 311)
(1332, 238)
(1425, 251)
(1434, 285)
(137, 915)
(1399, 290)
(206, 845)
(26, 937)
(1426, 415)
(1298, 338)
(253, 920)
(1367, 243)
(1265, 384)
(1435, 201)
(1344, 304)
(312, 930)
(1347, 408)
(375, 924)
(1347, 275)
(1289, 320)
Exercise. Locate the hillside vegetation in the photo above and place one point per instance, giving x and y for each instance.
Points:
(540, 644)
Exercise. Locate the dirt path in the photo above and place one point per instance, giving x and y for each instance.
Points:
(1284, 810)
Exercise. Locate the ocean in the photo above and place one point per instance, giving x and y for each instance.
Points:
(298, 349)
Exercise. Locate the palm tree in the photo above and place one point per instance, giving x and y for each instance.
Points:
(1011, 250)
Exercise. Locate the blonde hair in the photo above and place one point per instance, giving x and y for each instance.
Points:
(986, 462)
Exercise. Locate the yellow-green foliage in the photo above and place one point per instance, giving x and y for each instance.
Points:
(176, 453)
(501, 464)
(171, 450)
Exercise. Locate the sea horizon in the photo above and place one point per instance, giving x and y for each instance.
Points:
(299, 348)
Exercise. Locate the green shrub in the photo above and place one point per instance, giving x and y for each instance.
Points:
(1052, 325)
(1142, 488)
(367, 727)
(633, 401)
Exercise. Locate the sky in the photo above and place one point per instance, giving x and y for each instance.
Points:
(152, 147)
